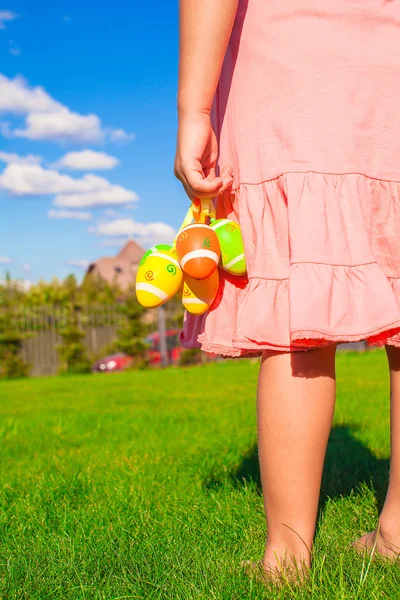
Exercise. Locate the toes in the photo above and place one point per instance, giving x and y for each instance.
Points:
(260, 570)
(249, 564)
(361, 544)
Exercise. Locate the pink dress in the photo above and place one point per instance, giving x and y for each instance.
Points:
(307, 112)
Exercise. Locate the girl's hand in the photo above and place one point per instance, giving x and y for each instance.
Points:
(196, 156)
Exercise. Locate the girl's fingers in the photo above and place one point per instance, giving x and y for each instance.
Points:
(209, 173)
(226, 172)
(198, 186)
(191, 196)
(227, 178)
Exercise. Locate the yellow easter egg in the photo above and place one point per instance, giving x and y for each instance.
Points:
(157, 248)
(158, 279)
(199, 294)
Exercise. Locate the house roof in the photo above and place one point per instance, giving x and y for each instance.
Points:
(131, 251)
(120, 269)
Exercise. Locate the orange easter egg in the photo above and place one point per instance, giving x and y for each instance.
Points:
(197, 296)
(198, 250)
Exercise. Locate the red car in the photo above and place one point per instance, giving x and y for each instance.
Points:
(174, 348)
(121, 361)
(113, 362)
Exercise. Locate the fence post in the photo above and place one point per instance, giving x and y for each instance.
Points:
(163, 337)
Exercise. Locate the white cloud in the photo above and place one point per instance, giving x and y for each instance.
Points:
(87, 191)
(62, 125)
(143, 232)
(119, 135)
(15, 51)
(48, 119)
(18, 98)
(4, 260)
(6, 15)
(11, 157)
(66, 19)
(81, 263)
(28, 179)
(69, 214)
(113, 195)
(26, 267)
(88, 160)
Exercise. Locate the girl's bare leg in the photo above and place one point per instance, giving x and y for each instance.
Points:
(295, 406)
(386, 538)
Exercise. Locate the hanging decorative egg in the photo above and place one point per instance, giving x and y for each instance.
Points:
(198, 250)
(157, 248)
(198, 295)
(158, 278)
(231, 242)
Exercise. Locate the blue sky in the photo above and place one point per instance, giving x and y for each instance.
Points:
(87, 131)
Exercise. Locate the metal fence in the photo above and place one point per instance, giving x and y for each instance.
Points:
(41, 327)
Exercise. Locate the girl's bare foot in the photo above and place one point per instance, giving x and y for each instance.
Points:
(259, 571)
(375, 542)
(278, 570)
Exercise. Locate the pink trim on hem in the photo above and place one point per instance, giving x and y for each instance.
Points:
(301, 344)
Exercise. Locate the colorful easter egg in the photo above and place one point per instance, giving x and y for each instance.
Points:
(199, 294)
(232, 249)
(198, 250)
(157, 248)
(158, 279)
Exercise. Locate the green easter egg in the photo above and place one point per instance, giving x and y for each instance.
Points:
(232, 249)
(157, 248)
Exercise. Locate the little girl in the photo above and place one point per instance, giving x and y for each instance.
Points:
(289, 115)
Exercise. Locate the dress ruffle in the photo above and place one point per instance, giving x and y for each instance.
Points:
(323, 256)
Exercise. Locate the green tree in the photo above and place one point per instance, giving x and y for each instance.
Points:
(97, 290)
(12, 364)
(131, 334)
(72, 351)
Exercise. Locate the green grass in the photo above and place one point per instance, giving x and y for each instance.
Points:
(146, 485)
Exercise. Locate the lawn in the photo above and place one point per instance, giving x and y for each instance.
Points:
(146, 485)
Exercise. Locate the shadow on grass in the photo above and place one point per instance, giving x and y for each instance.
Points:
(347, 464)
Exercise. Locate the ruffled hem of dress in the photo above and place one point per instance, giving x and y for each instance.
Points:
(218, 350)
(289, 302)
(369, 297)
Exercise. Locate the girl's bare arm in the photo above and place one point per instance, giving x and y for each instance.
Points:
(205, 28)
